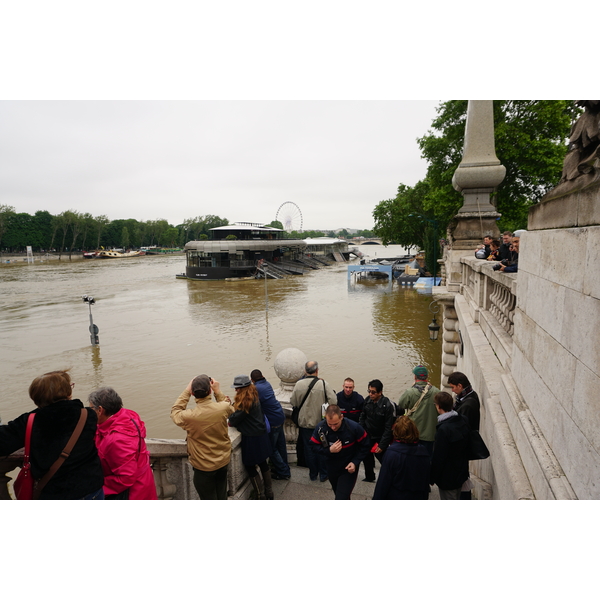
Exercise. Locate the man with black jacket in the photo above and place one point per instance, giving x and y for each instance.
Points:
(350, 402)
(505, 253)
(344, 444)
(377, 418)
(466, 404)
(450, 459)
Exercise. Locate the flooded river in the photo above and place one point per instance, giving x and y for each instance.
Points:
(157, 332)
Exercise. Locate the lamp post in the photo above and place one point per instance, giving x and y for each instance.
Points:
(434, 328)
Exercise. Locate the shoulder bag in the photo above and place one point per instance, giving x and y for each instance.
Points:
(477, 448)
(413, 410)
(24, 482)
(296, 409)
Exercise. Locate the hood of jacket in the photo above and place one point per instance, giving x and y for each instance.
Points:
(122, 422)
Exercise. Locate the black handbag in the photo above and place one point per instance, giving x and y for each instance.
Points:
(477, 448)
(296, 409)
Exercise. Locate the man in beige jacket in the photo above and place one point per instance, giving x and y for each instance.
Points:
(316, 391)
(208, 443)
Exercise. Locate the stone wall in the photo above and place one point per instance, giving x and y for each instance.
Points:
(556, 356)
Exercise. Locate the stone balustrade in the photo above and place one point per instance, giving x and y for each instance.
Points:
(492, 300)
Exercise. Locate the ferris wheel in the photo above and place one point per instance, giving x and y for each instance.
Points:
(290, 216)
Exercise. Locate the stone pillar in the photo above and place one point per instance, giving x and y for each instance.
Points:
(289, 367)
(477, 176)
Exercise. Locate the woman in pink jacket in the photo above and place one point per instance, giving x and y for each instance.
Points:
(122, 449)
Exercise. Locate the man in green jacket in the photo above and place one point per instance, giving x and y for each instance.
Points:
(418, 404)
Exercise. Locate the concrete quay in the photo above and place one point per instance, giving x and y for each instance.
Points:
(300, 487)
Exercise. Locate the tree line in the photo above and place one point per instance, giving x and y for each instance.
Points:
(531, 142)
(72, 230)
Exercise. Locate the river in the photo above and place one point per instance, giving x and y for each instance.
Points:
(157, 332)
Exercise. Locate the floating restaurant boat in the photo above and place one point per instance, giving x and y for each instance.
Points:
(244, 250)
(115, 254)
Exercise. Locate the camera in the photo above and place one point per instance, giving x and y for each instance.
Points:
(88, 299)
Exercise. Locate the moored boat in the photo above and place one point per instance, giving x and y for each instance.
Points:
(115, 254)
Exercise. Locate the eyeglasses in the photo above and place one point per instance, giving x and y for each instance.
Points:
(373, 392)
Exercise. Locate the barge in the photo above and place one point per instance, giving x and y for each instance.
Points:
(243, 250)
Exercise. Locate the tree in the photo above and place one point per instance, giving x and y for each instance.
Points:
(530, 137)
(77, 226)
(6, 212)
(125, 238)
(101, 222)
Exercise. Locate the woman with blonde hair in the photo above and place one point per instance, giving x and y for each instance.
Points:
(404, 473)
(248, 418)
(57, 421)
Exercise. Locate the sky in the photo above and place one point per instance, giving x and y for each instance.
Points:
(240, 160)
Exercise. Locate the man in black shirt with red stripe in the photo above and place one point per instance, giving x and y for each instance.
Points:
(350, 402)
(344, 444)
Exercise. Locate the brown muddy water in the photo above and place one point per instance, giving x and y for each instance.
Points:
(157, 332)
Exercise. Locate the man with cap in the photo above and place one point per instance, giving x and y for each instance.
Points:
(272, 409)
(208, 443)
(418, 404)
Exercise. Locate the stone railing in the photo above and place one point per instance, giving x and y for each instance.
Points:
(173, 474)
(492, 299)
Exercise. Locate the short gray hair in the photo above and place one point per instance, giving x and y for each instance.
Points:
(311, 367)
(106, 398)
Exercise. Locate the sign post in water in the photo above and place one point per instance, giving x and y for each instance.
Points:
(89, 300)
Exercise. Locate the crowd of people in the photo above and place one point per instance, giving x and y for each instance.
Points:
(420, 440)
(504, 253)
(423, 439)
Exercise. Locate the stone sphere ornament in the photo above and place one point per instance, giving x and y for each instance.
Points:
(289, 366)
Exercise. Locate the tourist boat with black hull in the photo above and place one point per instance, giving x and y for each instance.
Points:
(244, 250)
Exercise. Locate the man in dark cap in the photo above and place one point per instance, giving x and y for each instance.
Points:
(418, 404)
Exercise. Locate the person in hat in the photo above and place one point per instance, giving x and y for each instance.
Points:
(208, 443)
(250, 421)
(417, 402)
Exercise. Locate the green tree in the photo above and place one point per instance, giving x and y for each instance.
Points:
(125, 238)
(6, 212)
(100, 223)
(169, 237)
(530, 137)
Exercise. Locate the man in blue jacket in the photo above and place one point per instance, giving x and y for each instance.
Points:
(344, 444)
(271, 408)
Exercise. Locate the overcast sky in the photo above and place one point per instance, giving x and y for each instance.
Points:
(240, 160)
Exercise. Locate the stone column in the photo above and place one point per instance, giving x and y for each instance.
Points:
(477, 176)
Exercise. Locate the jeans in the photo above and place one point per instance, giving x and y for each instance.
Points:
(97, 495)
(211, 485)
(279, 460)
(317, 464)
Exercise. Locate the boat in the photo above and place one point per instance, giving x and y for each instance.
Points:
(244, 250)
(115, 254)
(90, 255)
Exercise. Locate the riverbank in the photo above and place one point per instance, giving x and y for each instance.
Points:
(38, 257)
